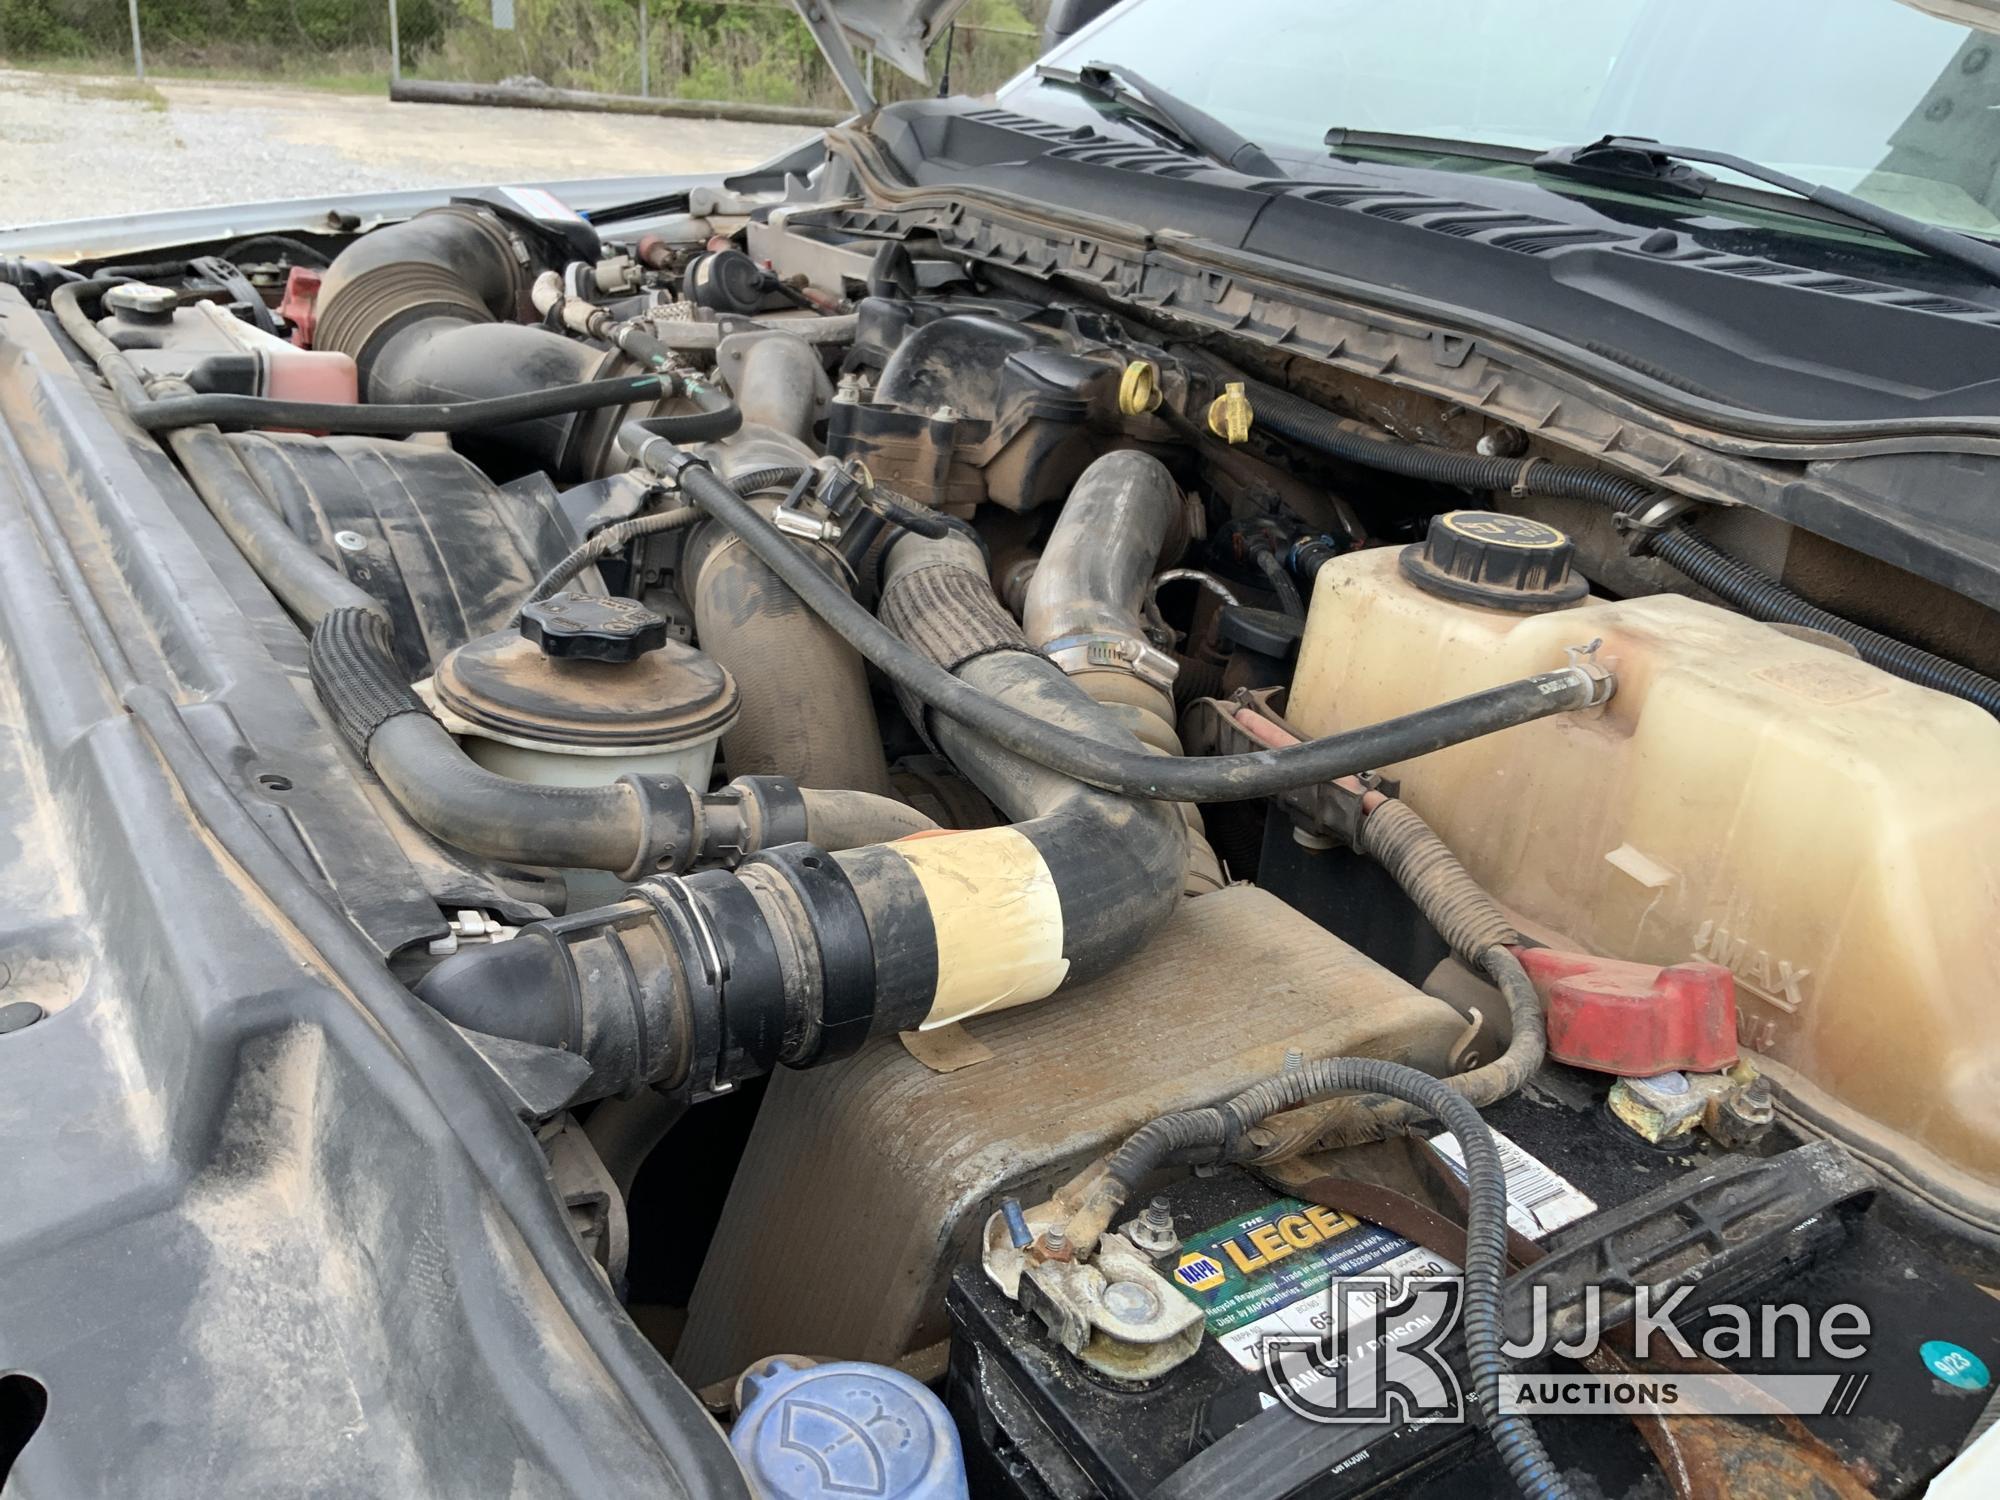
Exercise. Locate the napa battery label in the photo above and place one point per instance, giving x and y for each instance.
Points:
(1265, 1274)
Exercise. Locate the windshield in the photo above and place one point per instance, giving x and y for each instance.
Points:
(1893, 103)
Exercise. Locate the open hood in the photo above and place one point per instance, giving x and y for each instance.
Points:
(898, 31)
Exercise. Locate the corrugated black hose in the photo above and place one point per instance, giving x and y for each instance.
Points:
(1217, 1134)
(633, 826)
(1478, 932)
(1680, 546)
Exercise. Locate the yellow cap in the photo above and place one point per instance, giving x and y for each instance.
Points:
(1229, 414)
(1139, 388)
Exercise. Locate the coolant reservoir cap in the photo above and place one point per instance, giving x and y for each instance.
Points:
(836, 1431)
(509, 687)
(1500, 561)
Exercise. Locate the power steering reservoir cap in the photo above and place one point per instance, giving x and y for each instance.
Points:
(844, 1431)
(1499, 561)
(593, 627)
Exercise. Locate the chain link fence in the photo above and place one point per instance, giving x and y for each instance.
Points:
(749, 51)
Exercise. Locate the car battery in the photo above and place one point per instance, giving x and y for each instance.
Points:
(1037, 1423)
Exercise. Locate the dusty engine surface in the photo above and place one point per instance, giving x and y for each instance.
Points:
(917, 764)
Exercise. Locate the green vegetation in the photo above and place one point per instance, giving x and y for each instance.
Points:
(751, 50)
(131, 90)
(746, 50)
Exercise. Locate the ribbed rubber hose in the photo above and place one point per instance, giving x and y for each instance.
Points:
(1216, 1132)
(1130, 773)
(1396, 837)
(1735, 582)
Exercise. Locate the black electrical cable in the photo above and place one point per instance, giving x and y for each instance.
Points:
(228, 411)
(1131, 773)
(1217, 1133)
(617, 536)
(1679, 546)
(278, 245)
(1764, 598)
(1273, 569)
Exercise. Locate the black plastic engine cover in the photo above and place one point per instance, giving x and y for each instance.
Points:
(449, 552)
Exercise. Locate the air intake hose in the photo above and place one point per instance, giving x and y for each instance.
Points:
(429, 311)
(456, 263)
(1083, 603)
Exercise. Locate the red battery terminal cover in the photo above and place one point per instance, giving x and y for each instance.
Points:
(1635, 1020)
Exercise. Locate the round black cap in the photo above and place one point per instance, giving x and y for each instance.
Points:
(1499, 561)
(593, 627)
(725, 280)
(1268, 632)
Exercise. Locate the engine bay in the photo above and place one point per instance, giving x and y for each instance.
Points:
(1005, 842)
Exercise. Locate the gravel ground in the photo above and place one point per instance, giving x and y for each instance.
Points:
(80, 147)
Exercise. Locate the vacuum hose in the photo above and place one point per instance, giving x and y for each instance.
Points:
(1730, 579)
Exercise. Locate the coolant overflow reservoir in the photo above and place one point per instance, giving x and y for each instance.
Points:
(1828, 832)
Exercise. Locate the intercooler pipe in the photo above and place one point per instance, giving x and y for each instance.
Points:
(805, 709)
(800, 955)
(637, 826)
(1083, 609)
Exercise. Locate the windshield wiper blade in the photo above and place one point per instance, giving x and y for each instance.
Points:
(1626, 158)
(1196, 129)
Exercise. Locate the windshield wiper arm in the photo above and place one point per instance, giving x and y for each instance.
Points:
(1628, 157)
(1195, 128)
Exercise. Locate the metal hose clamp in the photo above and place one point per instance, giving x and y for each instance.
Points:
(1602, 680)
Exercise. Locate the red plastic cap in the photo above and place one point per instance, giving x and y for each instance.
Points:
(1635, 1020)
